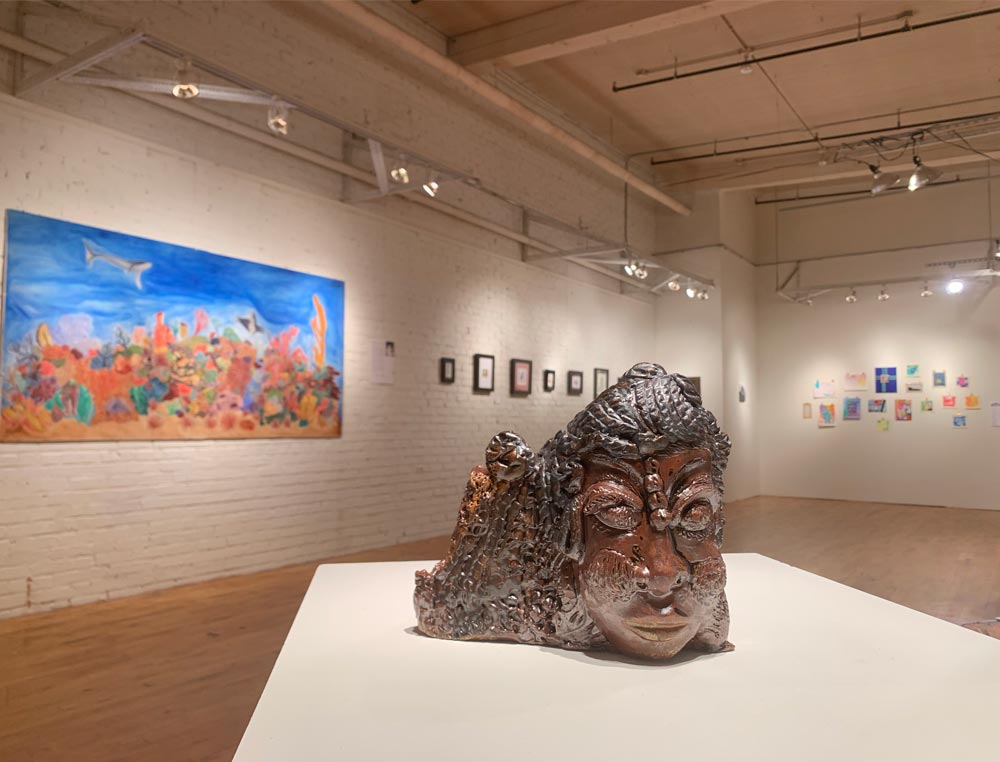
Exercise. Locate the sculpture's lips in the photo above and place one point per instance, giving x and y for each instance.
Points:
(658, 628)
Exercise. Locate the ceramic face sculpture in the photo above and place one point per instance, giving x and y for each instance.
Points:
(608, 538)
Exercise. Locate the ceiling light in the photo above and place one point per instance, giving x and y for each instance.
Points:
(922, 175)
(399, 175)
(703, 295)
(882, 181)
(883, 295)
(809, 302)
(690, 292)
(673, 284)
(640, 271)
(955, 286)
(431, 187)
(630, 268)
(826, 156)
(926, 291)
(852, 297)
(747, 67)
(186, 86)
(277, 117)
(996, 249)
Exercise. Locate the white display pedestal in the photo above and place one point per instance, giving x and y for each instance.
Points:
(820, 672)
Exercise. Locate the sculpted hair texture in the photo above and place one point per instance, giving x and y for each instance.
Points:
(510, 572)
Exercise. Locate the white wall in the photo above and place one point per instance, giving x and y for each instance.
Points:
(82, 522)
(924, 461)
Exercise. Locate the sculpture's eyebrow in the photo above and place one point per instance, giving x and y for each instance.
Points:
(683, 472)
(630, 472)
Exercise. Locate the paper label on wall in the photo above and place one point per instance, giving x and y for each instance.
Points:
(995, 409)
(383, 362)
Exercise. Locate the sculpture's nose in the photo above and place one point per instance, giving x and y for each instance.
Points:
(665, 569)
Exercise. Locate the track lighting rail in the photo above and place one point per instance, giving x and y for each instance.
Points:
(905, 28)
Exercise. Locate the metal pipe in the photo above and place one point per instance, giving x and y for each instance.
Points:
(907, 27)
(402, 41)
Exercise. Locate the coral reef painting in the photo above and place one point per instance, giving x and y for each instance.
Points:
(109, 336)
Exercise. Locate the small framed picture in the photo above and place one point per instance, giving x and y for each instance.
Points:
(807, 410)
(549, 380)
(600, 380)
(446, 370)
(574, 382)
(482, 373)
(520, 376)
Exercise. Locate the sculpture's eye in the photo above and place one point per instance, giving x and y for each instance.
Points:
(697, 516)
(618, 516)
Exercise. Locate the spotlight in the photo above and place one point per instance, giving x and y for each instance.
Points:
(673, 285)
(996, 249)
(926, 291)
(703, 295)
(640, 271)
(630, 268)
(277, 117)
(690, 292)
(882, 181)
(747, 67)
(955, 286)
(826, 156)
(922, 175)
(809, 302)
(852, 297)
(186, 86)
(399, 175)
(431, 186)
(883, 295)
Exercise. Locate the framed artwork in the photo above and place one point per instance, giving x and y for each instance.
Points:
(904, 410)
(972, 402)
(520, 376)
(827, 415)
(962, 381)
(914, 385)
(948, 400)
(807, 410)
(696, 380)
(742, 395)
(876, 406)
(958, 421)
(852, 408)
(600, 380)
(912, 369)
(882, 424)
(939, 378)
(856, 381)
(824, 389)
(482, 373)
(927, 406)
(109, 336)
(446, 370)
(549, 380)
(574, 382)
(885, 380)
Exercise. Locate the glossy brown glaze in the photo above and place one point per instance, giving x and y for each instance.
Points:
(609, 537)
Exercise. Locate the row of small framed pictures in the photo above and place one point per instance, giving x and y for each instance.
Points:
(520, 376)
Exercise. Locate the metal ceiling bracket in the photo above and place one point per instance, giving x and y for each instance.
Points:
(83, 59)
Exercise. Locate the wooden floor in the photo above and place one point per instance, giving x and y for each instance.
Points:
(175, 675)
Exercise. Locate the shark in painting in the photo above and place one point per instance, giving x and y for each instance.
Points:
(129, 266)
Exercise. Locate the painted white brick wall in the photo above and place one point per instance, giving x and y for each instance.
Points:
(87, 521)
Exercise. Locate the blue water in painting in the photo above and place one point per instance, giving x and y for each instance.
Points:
(47, 279)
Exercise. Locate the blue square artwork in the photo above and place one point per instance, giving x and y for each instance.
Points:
(885, 380)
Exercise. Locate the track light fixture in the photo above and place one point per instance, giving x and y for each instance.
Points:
(636, 269)
(431, 186)
(277, 117)
(955, 286)
(926, 291)
(690, 292)
(922, 175)
(882, 181)
(883, 295)
(186, 85)
(852, 297)
(673, 284)
(747, 67)
(399, 175)
(996, 249)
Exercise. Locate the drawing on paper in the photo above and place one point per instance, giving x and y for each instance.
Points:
(904, 410)
(824, 389)
(827, 415)
(876, 406)
(855, 381)
(885, 380)
(852, 408)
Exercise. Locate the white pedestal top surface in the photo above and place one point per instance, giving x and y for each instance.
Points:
(820, 672)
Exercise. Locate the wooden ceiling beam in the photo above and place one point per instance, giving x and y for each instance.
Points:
(579, 26)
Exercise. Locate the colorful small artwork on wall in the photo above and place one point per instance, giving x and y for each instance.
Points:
(962, 381)
(574, 382)
(549, 380)
(914, 385)
(958, 421)
(483, 367)
(972, 402)
(912, 370)
(876, 406)
(940, 378)
(852, 408)
(807, 410)
(856, 381)
(827, 415)
(885, 380)
(520, 377)
(948, 400)
(927, 406)
(904, 410)
(882, 424)
(824, 389)
(110, 336)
